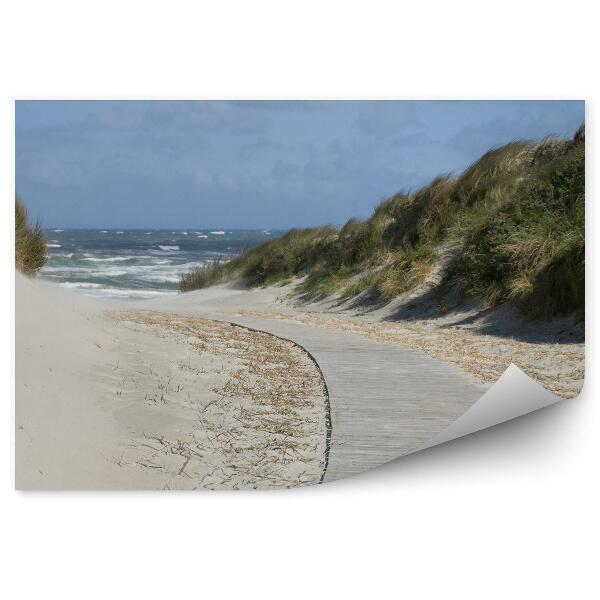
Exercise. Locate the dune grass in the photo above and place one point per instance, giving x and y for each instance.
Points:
(204, 276)
(532, 252)
(30, 242)
(515, 218)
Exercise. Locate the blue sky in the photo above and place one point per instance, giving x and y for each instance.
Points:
(252, 164)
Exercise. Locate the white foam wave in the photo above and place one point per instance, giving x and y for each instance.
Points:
(85, 272)
(166, 248)
(205, 237)
(81, 285)
(54, 245)
(58, 230)
(217, 232)
(108, 259)
(160, 278)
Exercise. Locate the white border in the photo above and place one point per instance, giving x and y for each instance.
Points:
(511, 512)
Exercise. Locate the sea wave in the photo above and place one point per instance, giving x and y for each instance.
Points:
(109, 258)
(81, 285)
(134, 265)
(64, 269)
(158, 278)
(159, 267)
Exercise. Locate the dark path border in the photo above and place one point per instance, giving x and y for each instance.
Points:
(385, 400)
(328, 421)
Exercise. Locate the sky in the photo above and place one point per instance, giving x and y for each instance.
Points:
(252, 164)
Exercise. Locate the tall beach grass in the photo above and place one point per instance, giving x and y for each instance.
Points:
(30, 242)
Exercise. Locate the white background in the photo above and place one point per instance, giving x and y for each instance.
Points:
(507, 513)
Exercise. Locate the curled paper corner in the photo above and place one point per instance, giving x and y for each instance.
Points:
(513, 395)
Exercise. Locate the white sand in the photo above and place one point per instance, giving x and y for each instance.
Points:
(63, 437)
(168, 399)
(147, 401)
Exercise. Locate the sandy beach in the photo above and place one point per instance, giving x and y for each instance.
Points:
(146, 400)
(230, 388)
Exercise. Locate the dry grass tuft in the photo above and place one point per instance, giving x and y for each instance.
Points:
(256, 404)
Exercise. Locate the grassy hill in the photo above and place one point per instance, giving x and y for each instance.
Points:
(509, 229)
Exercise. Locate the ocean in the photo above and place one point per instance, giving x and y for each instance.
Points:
(135, 263)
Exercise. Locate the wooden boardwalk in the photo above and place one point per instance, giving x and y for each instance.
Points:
(385, 401)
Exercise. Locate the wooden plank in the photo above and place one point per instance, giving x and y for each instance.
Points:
(385, 401)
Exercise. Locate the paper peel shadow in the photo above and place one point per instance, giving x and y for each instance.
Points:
(513, 395)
